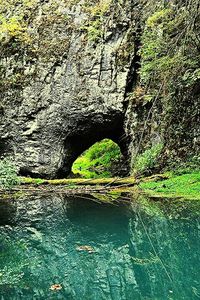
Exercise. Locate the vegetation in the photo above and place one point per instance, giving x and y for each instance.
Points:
(27, 39)
(98, 160)
(169, 52)
(32, 32)
(169, 67)
(185, 167)
(184, 186)
(74, 182)
(96, 17)
(144, 240)
(146, 161)
(168, 78)
(8, 174)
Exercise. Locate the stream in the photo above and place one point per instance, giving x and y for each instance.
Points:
(56, 246)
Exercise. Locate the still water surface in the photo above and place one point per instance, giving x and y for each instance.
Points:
(141, 250)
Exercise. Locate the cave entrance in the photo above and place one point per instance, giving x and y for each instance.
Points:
(102, 160)
(95, 134)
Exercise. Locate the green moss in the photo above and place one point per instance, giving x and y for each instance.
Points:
(97, 161)
(185, 186)
(74, 182)
(28, 180)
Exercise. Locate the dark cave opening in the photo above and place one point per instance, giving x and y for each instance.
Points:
(78, 144)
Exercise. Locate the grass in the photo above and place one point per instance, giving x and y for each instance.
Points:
(184, 186)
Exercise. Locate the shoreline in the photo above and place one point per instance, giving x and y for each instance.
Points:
(168, 185)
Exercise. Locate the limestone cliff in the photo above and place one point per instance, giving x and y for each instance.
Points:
(163, 107)
(68, 69)
(64, 85)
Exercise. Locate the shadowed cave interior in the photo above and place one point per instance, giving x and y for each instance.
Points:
(78, 145)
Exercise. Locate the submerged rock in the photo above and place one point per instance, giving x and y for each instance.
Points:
(89, 249)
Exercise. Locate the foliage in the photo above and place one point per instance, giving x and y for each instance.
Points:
(97, 161)
(169, 50)
(12, 20)
(96, 13)
(140, 96)
(8, 174)
(147, 159)
(166, 93)
(33, 31)
(21, 28)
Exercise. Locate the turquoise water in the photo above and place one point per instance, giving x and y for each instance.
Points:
(140, 250)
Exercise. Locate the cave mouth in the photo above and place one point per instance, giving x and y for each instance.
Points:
(98, 130)
(104, 159)
(56, 158)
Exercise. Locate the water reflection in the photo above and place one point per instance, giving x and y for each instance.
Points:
(142, 250)
(8, 208)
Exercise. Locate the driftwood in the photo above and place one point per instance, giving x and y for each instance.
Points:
(79, 186)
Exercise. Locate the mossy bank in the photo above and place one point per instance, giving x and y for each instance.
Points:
(168, 185)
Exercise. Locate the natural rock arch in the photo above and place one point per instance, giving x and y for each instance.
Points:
(59, 105)
(47, 146)
(56, 160)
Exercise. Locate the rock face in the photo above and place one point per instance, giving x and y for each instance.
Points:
(58, 102)
(163, 107)
(67, 75)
